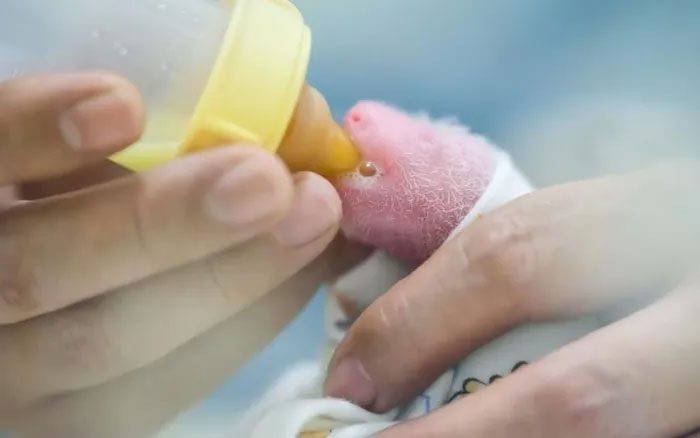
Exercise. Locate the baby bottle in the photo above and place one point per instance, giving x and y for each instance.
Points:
(211, 72)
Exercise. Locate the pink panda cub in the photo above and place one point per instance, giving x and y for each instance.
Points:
(419, 180)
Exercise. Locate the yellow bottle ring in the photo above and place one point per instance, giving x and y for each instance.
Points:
(253, 87)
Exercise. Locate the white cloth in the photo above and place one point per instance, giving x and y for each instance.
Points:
(295, 404)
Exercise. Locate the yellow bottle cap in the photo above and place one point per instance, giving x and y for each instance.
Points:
(253, 88)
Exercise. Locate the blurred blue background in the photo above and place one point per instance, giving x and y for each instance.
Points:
(536, 76)
(488, 61)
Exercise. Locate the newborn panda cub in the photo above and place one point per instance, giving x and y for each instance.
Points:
(421, 183)
(419, 180)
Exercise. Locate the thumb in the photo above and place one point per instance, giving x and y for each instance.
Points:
(558, 252)
(403, 322)
(411, 334)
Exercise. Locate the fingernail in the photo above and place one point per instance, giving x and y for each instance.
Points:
(350, 381)
(244, 195)
(104, 122)
(313, 213)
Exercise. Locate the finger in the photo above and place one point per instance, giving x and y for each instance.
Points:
(636, 378)
(559, 252)
(142, 402)
(135, 227)
(98, 340)
(51, 124)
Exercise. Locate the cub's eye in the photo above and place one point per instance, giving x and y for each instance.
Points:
(367, 169)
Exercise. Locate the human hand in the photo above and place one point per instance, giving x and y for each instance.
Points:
(558, 253)
(102, 286)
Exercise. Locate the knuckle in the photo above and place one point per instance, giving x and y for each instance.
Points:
(77, 343)
(506, 250)
(381, 320)
(217, 280)
(395, 310)
(17, 297)
(579, 399)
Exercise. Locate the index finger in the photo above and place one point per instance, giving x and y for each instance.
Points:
(559, 252)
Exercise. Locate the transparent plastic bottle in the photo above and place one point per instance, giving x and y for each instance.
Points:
(211, 73)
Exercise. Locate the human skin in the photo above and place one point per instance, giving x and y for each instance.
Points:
(114, 294)
(560, 252)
